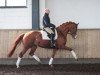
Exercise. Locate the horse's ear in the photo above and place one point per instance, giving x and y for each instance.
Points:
(77, 24)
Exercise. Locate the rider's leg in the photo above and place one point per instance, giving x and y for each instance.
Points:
(52, 40)
(48, 30)
(52, 25)
(50, 35)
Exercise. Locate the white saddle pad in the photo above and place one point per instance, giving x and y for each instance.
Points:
(45, 35)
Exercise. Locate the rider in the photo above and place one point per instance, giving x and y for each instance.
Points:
(48, 27)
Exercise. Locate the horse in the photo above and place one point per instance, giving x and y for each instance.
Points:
(33, 39)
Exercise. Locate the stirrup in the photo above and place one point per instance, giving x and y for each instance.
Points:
(52, 45)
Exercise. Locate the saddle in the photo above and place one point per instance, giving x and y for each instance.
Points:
(45, 35)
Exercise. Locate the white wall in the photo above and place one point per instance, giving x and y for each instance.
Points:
(16, 18)
(42, 7)
(86, 12)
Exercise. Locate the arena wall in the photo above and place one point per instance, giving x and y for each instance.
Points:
(86, 45)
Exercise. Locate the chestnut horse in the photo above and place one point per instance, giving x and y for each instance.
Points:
(33, 39)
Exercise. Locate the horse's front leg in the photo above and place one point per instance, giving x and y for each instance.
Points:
(71, 50)
(52, 57)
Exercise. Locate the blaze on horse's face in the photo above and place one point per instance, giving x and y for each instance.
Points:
(73, 31)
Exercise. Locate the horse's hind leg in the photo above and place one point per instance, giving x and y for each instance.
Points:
(33, 49)
(20, 57)
(52, 57)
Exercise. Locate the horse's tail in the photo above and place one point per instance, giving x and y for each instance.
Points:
(16, 42)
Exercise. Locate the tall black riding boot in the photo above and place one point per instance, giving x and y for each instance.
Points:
(52, 40)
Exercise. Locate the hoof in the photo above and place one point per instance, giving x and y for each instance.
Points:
(77, 59)
(18, 67)
(39, 63)
(51, 66)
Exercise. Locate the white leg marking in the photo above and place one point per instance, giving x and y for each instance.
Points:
(74, 54)
(75, 36)
(50, 61)
(18, 61)
(36, 58)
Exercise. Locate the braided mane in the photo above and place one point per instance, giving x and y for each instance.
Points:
(67, 23)
(62, 26)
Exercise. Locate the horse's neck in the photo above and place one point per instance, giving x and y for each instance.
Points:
(63, 32)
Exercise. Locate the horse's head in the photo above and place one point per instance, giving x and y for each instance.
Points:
(69, 27)
(73, 29)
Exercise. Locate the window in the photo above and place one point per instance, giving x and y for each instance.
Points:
(20, 18)
(2, 3)
(13, 3)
